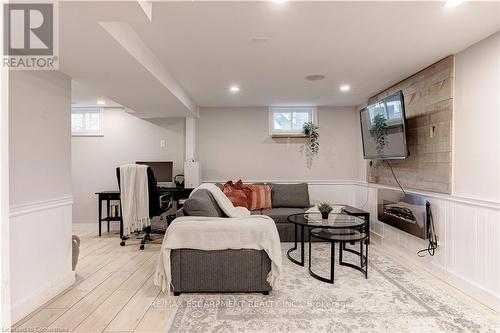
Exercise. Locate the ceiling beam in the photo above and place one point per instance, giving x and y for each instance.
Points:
(126, 36)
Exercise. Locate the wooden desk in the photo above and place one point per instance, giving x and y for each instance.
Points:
(107, 196)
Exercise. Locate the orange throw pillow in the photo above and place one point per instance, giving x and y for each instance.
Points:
(237, 196)
(259, 197)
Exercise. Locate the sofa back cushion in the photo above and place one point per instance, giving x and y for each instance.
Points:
(202, 203)
(290, 195)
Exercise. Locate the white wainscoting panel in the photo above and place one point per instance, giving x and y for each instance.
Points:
(333, 193)
(468, 256)
(40, 252)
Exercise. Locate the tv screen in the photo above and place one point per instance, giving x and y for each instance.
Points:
(383, 129)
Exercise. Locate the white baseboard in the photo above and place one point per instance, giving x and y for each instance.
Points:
(24, 307)
(469, 288)
(375, 237)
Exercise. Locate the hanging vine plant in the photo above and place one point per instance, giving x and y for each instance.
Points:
(312, 132)
(379, 132)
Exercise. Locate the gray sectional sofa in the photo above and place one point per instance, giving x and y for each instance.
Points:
(287, 199)
(242, 270)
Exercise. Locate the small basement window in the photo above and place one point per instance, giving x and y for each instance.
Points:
(86, 121)
(289, 121)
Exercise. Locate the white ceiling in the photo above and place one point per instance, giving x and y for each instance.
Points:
(84, 96)
(95, 59)
(207, 46)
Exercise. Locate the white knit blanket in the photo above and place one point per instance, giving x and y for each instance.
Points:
(134, 197)
(256, 232)
(224, 203)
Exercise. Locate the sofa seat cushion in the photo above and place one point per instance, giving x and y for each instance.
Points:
(290, 195)
(202, 203)
(280, 215)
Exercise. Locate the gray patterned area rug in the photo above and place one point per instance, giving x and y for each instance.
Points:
(393, 299)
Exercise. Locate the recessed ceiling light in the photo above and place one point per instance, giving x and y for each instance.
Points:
(315, 77)
(101, 102)
(452, 3)
(234, 89)
(279, 1)
(345, 87)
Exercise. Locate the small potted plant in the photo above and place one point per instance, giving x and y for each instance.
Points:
(325, 209)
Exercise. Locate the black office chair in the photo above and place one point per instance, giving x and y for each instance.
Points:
(158, 205)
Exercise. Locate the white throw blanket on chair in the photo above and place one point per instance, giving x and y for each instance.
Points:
(134, 197)
(240, 231)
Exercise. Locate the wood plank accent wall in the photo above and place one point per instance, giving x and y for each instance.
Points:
(428, 98)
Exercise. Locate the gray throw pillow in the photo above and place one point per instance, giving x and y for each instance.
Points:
(290, 195)
(202, 203)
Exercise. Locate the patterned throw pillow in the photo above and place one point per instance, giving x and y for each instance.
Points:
(259, 197)
(237, 195)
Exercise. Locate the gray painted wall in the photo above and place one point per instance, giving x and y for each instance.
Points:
(126, 139)
(234, 143)
(39, 147)
(476, 147)
(40, 188)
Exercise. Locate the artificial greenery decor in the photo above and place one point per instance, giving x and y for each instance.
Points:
(379, 132)
(311, 130)
(325, 209)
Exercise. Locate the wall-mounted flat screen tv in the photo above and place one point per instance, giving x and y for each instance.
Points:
(383, 129)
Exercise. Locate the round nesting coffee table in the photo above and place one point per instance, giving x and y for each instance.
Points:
(341, 236)
(314, 220)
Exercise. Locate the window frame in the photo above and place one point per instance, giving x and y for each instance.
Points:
(88, 133)
(313, 111)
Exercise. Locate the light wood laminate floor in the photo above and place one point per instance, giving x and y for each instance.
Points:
(114, 291)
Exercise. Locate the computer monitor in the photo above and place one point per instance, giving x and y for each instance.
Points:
(162, 170)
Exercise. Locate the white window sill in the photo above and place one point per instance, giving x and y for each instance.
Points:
(87, 134)
(288, 135)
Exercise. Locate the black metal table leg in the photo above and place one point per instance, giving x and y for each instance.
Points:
(361, 254)
(332, 267)
(108, 211)
(341, 253)
(366, 260)
(302, 249)
(363, 257)
(332, 260)
(99, 201)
